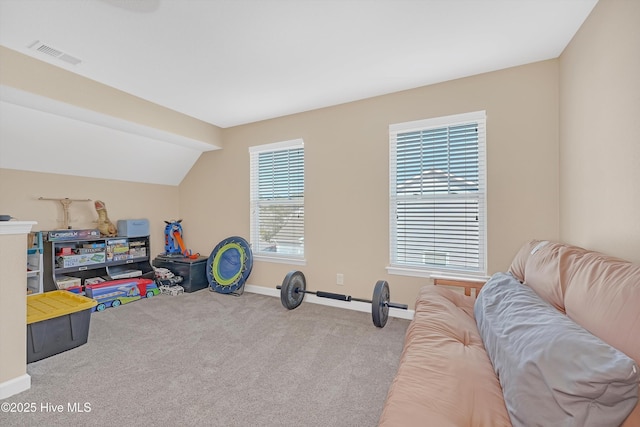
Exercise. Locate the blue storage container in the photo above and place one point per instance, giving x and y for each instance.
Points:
(133, 227)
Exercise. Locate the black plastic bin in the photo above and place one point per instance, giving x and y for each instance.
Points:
(56, 321)
(193, 271)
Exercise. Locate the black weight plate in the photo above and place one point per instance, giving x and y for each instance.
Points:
(289, 295)
(380, 303)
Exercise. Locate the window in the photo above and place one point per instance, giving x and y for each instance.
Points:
(437, 195)
(277, 200)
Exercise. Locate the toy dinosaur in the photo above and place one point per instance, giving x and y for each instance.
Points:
(105, 226)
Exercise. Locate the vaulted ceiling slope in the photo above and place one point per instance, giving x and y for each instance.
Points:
(229, 63)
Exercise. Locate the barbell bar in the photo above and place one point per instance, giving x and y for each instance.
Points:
(294, 286)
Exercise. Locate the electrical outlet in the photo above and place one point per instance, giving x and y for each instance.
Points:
(340, 279)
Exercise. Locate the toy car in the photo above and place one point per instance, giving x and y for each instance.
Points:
(122, 291)
(171, 290)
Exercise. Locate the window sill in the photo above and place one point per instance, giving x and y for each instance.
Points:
(432, 273)
(280, 260)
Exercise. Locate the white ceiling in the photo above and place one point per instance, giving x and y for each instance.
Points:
(231, 62)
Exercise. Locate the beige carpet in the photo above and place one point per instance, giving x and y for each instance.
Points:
(217, 360)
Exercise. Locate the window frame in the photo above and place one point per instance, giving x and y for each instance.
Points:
(254, 182)
(415, 270)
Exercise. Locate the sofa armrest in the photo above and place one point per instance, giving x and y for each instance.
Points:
(464, 282)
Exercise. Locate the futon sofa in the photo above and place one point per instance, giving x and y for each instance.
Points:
(554, 341)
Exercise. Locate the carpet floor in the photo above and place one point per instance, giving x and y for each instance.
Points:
(207, 359)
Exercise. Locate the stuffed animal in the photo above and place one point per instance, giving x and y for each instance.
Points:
(105, 226)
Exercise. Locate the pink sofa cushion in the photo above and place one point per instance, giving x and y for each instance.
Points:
(541, 265)
(445, 377)
(519, 261)
(604, 297)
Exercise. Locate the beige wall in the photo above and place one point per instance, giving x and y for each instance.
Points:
(28, 74)
(563, 163)
(600, 132)
(347, 183)
(563, 158)
(20, 190)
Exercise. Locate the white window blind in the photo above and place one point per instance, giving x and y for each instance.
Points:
(438, 194)
(277, 199)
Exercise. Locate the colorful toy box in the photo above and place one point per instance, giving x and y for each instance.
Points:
(137, 249)
(57, 321)
(66, 282)
(117, 249)
(80, 260)
(61, 235)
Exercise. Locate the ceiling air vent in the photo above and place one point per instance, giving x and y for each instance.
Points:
(46, 49)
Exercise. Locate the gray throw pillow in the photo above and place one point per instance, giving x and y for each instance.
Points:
(553, 372)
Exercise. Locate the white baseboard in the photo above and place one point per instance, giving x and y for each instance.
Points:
(350, 305)
(15, 386)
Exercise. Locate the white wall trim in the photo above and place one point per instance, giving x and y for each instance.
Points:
(293, 143)
(432, 274)
(16, 227)
(15, 386)
(352, 305)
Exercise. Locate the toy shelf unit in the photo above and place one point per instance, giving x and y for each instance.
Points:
(73, 263)
(34, 263)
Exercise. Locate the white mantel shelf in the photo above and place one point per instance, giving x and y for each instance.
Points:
(16, 227)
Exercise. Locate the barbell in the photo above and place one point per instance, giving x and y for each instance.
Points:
(294, 286)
